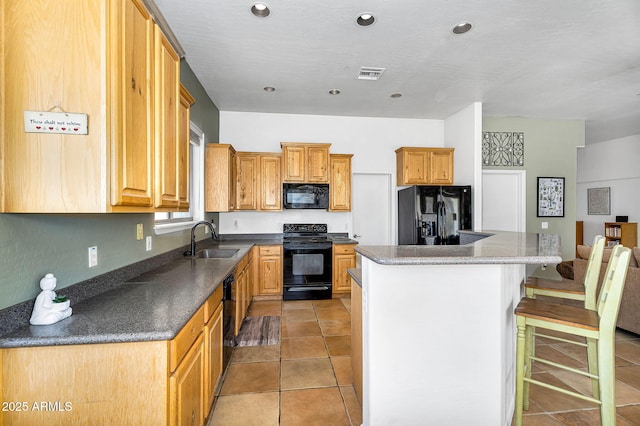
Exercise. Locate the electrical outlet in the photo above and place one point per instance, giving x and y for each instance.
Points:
(139, 232)
(93, 256)
(149, 243)
(545, 225)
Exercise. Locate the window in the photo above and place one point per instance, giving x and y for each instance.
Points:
(166, 222)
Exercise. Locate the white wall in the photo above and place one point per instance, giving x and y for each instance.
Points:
(613, 164)
(463, 131)
(371, 140)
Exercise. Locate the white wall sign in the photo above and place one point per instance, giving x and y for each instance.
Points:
(55, 122)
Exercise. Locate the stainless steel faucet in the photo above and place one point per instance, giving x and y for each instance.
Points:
(192, 251)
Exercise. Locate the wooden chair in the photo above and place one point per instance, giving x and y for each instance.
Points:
(596, 326)
(573, 291)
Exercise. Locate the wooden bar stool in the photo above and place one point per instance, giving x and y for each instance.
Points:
(573, 291)
(597, 326)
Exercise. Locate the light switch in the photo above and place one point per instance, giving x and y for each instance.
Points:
(545, 225)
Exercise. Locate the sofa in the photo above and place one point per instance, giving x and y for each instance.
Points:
(574, 271)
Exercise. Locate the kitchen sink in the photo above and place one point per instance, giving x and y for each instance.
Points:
(217, 253)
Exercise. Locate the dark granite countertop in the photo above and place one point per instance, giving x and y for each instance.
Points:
(154, 305)
(151, 306)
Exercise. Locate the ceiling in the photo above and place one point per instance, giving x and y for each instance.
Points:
(569, 59)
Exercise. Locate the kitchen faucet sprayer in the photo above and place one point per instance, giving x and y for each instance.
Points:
(192, 251)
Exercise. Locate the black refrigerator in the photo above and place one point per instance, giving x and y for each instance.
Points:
(433, 214)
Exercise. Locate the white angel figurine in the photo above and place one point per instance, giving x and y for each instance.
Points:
(46, 310)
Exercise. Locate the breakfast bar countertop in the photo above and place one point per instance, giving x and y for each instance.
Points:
(487, 247)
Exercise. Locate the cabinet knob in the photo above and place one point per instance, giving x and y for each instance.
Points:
(193, 416)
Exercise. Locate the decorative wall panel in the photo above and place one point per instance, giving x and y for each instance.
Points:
(503, 149)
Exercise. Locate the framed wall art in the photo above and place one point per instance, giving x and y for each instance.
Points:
(598, 201)
(550, 197)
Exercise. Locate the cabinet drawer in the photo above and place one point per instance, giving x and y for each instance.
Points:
(179, 346)
(270, 250)
(343, 249)
(212, 302)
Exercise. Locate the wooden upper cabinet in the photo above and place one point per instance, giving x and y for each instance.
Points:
(247, 169)
(270, 182)
(113, 81)
(184, 142)
(317, 163)
(130, 89)
(220, 178)
(340, 182)
(242, 180)
(293, 158)
(305, 162)
(441, 167)
(424, 166)
(167, 106)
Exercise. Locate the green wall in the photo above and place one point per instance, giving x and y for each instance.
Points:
(33, 244)
(550, 151)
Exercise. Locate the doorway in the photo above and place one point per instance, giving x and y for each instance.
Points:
(504, 198)
(371, 211)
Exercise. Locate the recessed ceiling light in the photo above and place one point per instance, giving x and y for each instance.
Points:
(334, 92)
(396, 95)
(462, 27)
(260, 10)
(365, 19)
(269, 89)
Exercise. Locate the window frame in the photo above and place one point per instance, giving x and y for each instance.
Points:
(196, 188)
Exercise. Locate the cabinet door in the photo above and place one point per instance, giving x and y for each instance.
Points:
(414, 167)
(317, 164)
(132, 107)
(219, 172)
(187, 388)
(340, 183)
(213, 355)
(294, 163)
(441, 167)
(270, 270)
(184, 136)
(344, 257)
(270, 183)
(167, 96)
(246, 182)
(241, 296)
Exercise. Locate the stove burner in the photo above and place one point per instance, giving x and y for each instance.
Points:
(307, 228)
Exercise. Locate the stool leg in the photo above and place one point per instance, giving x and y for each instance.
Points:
(607, 370)
(520, 355)
(592, 356)
(529, 351)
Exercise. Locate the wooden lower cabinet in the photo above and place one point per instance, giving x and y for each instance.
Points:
(356, 338)
(268, 269)
(187, 388)
(213, 357)
(242, 295)
(344, 257)
(156, 383)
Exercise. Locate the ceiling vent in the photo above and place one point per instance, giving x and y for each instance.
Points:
(370, 73)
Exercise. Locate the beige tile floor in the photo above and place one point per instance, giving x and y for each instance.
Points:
(305, 380)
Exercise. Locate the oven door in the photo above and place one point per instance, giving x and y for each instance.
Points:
(307, 271)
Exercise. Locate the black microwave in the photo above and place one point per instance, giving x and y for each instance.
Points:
(305, 196)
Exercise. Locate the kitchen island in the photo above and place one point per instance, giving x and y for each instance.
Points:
(438, 332)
